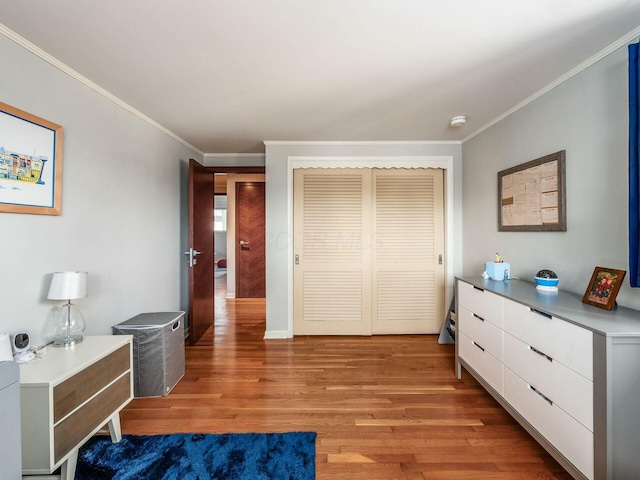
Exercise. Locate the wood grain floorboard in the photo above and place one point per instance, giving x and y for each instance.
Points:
(383, 407)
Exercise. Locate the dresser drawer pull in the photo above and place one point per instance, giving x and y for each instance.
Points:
(478, 288)
(478, 346)
(545, 398)
(539, 312)
(478, 317)
(535, 350)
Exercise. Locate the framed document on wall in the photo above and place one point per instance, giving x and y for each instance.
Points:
(531, 196)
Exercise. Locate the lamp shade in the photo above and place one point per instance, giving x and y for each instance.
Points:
(68, 286)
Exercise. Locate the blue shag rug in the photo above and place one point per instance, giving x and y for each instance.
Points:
(237, 456)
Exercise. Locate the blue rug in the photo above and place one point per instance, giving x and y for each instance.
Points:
(250, 456)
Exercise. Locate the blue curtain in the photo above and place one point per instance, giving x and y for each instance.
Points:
(634, 167)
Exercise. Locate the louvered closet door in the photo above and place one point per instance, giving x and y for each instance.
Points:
(332, 276)
(408, 228)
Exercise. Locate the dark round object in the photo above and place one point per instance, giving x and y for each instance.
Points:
(546, 274)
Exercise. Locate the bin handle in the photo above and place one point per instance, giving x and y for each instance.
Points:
(176, 326)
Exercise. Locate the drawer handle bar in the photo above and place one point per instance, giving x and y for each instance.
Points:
(541, 395)
(478, 317)
(478, 346)
(539, 312)
(478, 288)
(535, 350)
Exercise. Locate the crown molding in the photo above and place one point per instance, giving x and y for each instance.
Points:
(626, 39)
(363, 142)
(26, 44)
(234, 155)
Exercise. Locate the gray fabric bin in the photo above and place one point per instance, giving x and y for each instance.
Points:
(158, 351)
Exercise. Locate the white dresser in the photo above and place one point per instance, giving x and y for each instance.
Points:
(567, 371)
(69, 394)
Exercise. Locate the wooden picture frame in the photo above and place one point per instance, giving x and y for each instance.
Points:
(603, 287)
(30, 163)
(531, 196)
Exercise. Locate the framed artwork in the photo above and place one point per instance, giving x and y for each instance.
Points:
(603, 287)
(531, 196)
(30, 163)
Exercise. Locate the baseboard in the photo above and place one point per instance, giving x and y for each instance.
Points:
(230, 295)
(276, 334)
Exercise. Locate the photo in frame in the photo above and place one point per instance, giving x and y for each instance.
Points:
(30, 163)
(603, 287)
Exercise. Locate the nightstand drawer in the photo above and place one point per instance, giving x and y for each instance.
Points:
(570, 391)
(563, 341)
(76, 390)
(95, 413)
(481, 302)
(481, 331)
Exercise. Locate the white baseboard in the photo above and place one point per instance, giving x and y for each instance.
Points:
(230, 295)
(276, 334)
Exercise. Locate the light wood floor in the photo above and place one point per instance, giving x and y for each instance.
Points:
(384, 407)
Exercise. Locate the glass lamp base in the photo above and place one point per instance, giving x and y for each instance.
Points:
(67, 341)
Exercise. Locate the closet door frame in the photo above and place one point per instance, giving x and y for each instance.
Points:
(444, 162)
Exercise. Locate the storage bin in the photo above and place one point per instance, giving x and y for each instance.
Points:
(158, 351)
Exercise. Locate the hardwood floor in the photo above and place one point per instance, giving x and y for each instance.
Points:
(384, 407)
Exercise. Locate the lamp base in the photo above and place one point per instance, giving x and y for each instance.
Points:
(67, 341)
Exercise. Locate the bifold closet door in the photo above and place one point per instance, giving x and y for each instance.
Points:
(332, 271)
(408, 251)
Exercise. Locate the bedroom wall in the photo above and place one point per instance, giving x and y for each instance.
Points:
(123, 207)
(586, 116)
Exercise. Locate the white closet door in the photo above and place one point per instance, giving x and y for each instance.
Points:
(332, 271)
(407, 270)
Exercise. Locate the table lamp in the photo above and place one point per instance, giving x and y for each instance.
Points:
(68, 323)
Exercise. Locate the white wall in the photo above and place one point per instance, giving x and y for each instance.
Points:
(279, 234)
(123, 202)
(587, 117)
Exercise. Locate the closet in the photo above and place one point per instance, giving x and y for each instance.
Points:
(368, 251)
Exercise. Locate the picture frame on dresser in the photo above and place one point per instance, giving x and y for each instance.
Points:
(603, 287)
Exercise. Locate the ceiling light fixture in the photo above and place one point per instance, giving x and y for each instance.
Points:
(458, 121)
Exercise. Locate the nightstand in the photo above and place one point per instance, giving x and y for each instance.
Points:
(67, 395)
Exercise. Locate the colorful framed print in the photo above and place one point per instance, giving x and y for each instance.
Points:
(603, 287)
(30, 163)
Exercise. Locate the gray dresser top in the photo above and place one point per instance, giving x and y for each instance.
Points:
(619, 322)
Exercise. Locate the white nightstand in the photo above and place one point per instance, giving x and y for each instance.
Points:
(69, 394)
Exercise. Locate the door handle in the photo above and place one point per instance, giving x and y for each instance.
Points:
(244, 245)
(192, 256)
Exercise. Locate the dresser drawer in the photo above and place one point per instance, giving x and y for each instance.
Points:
(566, 434)
(481, 331)
(570, 391)
(481, 302)
(73, 392)
(94, 414)
(563, 341)
(481, 361)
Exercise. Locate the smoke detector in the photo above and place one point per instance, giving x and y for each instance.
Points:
(458, 121)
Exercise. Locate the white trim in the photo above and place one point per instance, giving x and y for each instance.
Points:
(234, 155)
(23, 42)
(444, 162)
(363, 142)
(629, 37)
(275, 334)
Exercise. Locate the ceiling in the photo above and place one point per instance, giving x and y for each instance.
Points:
(224, 75)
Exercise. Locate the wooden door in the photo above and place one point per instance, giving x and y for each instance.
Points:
(201, 269)
(250, 240)
(332, 231)
(408, 251)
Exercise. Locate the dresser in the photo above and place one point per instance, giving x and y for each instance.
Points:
(568, 372)
(67, 395)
